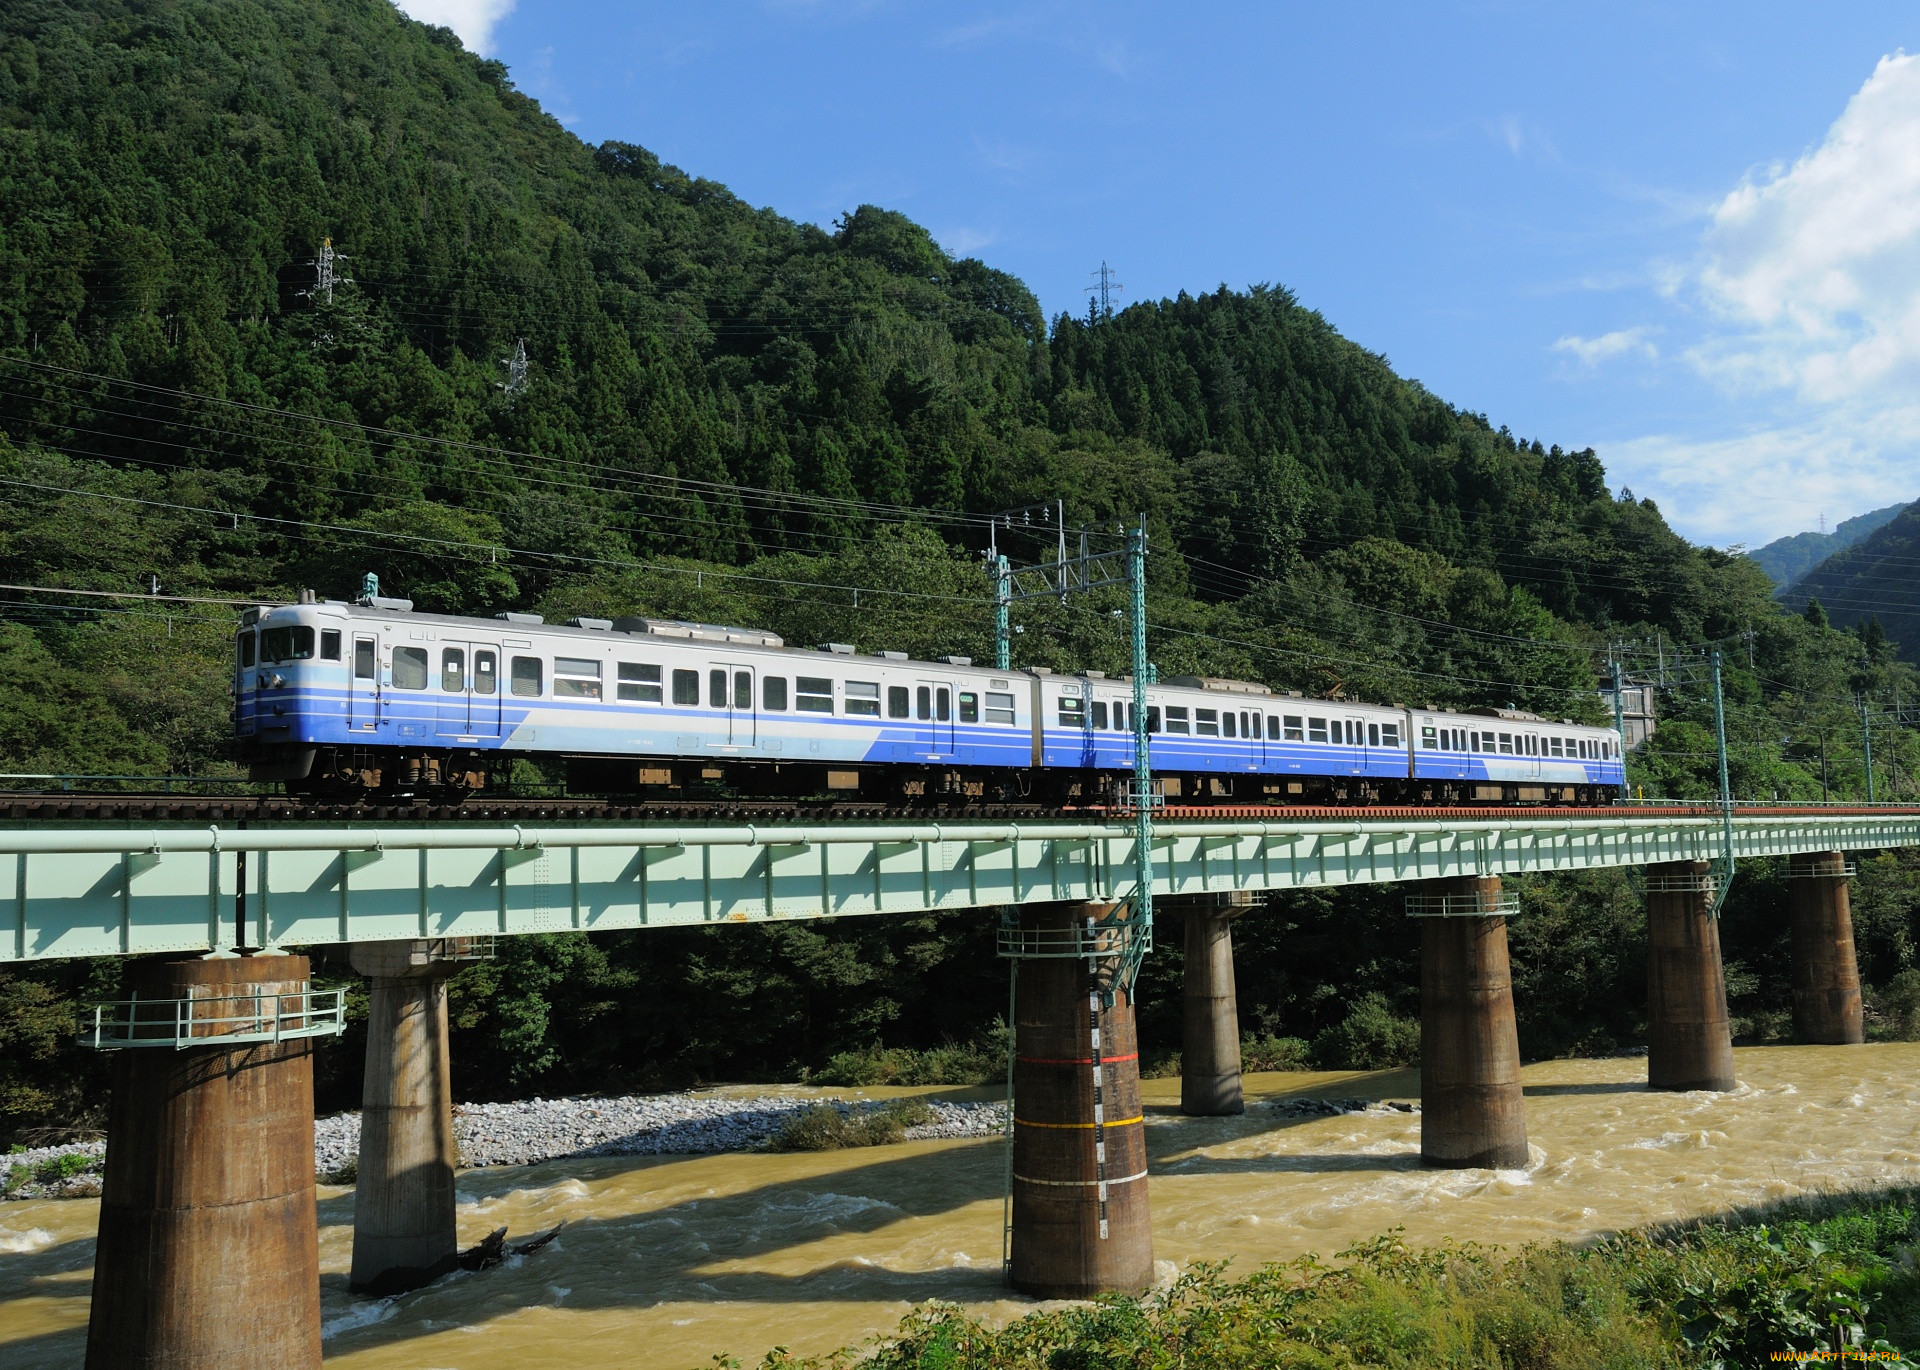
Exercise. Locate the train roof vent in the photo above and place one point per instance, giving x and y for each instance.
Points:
(958, 660)
(1094, 675)
(1207, 682)
(599, 625)
(697, 632)
(892, 656)
(837, 648)
(1511, 715)
(1038, 670)
(520, 618)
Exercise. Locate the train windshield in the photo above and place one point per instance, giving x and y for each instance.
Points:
(286, 644)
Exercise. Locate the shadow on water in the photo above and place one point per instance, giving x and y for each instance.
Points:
(1551, 1091)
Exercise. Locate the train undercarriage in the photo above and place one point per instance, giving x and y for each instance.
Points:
(449, 775)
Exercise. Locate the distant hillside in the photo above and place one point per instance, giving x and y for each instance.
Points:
(1785, 560)
(1872, 579)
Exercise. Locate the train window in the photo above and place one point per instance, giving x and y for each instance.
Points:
(773, 693)
(1100, 714)
(717, 689)
(1153, 719)
(863, 698)
(524, 676)
(453, 670)
(639, 681)
(1316, 730)
(363, 659)
(1073, 711)
(743, 690)
(575, 677)
(1373, 734)
(686, 687)
(409, 668)
(999, 707)
(288, 644)
(1506, 744)
(1206, 722)
(923, 701)
(969, 707)
(1553, 747)
(897, 705)
(1390, 734)
(1226, 722)
(485, 676)
(329, 644)
(1176, 718)
(1249, 725)
(1429, 739)
(813, 694)
(1295, 726)
(244, 642)
(942, 704)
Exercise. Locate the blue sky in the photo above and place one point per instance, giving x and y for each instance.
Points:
(1687, 235)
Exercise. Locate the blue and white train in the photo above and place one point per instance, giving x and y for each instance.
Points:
(341, 699)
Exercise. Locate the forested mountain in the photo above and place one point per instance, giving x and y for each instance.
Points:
(727, 414)
(1872, 581)
(1786, 559)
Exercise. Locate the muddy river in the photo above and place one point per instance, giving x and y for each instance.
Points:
(666, 1261)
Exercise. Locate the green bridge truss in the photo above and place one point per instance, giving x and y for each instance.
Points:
(110, 890)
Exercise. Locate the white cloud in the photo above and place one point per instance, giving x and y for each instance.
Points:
(1816, 266)
(1802, 309)
(473, 20)
(1755, 486)
(1593, 351)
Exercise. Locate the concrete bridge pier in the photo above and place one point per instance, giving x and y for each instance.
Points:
(1079, 1140)
(1210, 1028)
(1826, 976)
(403, 1203)
(208, 1253)
(1689, 1040)
(1471, 1110)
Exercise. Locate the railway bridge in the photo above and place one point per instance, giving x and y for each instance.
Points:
(209, 1181)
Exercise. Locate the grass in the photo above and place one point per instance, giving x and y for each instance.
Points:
(1831, 1274)
(825, 1127)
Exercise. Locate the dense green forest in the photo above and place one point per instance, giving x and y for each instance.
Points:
(1872, 580)
(728, 415)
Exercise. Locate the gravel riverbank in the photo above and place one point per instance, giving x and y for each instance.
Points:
(530, 1131)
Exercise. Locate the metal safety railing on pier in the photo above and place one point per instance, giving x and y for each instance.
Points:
(215, 1020)
(108, 890)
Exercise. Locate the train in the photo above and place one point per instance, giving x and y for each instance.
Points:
(368, 697)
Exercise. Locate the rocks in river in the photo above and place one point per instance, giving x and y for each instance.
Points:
(1332, 1108)
(527, 1132)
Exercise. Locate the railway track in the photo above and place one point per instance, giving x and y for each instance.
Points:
(100, 807)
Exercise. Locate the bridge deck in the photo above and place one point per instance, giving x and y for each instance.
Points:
(110, 889)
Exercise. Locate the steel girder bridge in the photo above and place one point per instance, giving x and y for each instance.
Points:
(116, 890)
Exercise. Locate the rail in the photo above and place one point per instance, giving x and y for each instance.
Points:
(223, 1020)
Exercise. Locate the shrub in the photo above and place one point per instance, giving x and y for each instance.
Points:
(1371, 1037)
(1274, 1053)
(953, 1063)
(1900, 1001)
(828, 1127)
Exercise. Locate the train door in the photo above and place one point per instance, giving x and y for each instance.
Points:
(245, 714)
(933, 718)
(731, 688)
(1357, 745)
(468, 701)
(363, 684)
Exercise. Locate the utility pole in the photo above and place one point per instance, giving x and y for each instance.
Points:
(1726, 790)
(1106, 286)
(1620, 710)
(516, 365)
(1143, 795)
(1866, 738)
